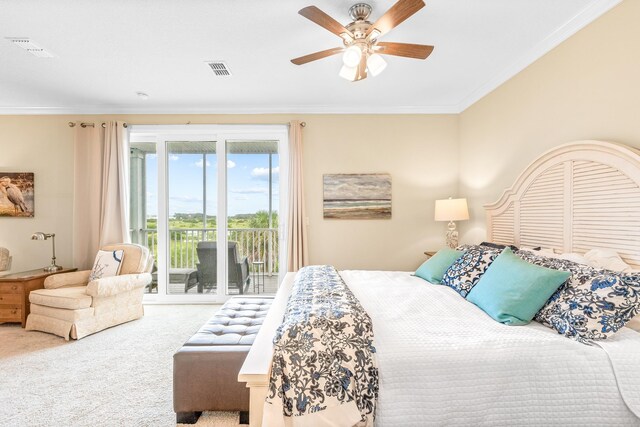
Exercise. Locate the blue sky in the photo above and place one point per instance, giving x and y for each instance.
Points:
(247, 183)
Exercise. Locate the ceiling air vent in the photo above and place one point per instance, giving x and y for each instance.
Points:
(30, 47)
(219, 68)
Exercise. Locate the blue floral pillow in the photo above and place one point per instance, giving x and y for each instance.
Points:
(593, 304)
(465, 273)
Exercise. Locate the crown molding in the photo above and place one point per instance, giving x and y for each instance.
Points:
(578, 22)
(300, 109)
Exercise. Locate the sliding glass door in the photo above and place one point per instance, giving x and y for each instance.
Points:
(195, 189)
(253, 168)
(191, 202)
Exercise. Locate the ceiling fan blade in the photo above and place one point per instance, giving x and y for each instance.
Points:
(314, 14)
(400, 11)
(408, 50)
(361, 73)
(317, 55)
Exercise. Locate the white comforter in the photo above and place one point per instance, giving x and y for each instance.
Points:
(443, 361)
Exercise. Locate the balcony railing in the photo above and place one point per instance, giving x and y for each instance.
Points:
(257, 244)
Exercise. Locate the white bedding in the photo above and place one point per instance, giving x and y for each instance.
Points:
(443, 361)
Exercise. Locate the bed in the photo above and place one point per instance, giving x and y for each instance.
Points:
(443, 361)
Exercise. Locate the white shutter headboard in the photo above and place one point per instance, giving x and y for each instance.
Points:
(573, 198)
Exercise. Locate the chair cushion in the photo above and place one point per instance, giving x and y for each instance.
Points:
(71, 298)
(63, 314)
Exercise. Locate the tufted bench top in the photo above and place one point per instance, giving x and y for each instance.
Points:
(236, 323)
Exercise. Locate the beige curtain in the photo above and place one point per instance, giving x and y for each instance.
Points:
(101, 190)
(297, 251)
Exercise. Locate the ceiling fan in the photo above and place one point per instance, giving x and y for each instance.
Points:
(361, 48)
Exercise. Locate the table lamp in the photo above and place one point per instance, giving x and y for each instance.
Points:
(451, 210)
(44, 236)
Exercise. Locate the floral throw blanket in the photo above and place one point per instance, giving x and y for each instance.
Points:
(323, 369)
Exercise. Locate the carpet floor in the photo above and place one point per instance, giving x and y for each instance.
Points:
(121, 376)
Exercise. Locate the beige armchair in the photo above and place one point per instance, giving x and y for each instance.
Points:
(71, 306)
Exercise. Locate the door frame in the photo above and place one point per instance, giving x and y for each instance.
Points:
(161, 135)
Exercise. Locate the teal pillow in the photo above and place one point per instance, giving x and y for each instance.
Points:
(513, 290)
(433, 269)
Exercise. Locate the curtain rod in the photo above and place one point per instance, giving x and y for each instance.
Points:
(89, 125)
(303, 124)
(84, 125)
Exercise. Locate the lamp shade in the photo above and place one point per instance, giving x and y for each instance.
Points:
(351, 56)
(451, 210)
(39, 235)
(348, 73)
(376, 64)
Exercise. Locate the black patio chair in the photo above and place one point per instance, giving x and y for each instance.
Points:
(238, 270)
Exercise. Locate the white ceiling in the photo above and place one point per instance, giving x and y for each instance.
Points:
(106, 51)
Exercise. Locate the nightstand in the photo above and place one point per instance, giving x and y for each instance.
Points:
(14, 293)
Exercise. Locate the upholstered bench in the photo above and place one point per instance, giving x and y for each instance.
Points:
(205, 369)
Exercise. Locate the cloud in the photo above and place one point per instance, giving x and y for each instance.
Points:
(262, 174)
(240, 197)
(173, 157)
(230, 164)
(250, 191)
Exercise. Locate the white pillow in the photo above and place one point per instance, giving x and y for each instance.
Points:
(107, 264)
(550, 253)
(572, 256)
(609, 260)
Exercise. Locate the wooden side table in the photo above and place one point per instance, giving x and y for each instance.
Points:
(14, 293)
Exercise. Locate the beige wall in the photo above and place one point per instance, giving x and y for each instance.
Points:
(419, 151)
(41, 145)
(586, 88)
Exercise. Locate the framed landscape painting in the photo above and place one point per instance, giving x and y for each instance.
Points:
(16, 194)
(357, 196)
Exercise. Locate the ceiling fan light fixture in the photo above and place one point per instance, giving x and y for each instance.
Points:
(376, 64)
(348, 73)
(352, 55)
(360, 48)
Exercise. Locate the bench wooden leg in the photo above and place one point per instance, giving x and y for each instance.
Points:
(187, 417)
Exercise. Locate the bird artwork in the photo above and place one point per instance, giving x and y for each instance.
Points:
(13, 191)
